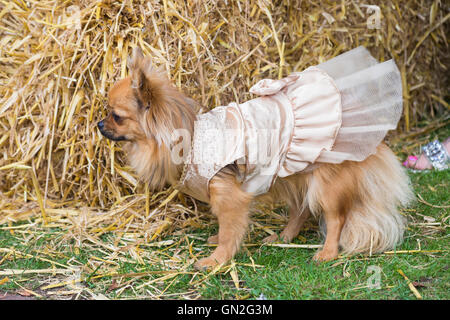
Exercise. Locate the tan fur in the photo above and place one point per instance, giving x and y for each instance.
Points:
(357, 201)
(150, 108)
(232, 214)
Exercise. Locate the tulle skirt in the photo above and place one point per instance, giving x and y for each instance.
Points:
(370, 105)
(371, 97)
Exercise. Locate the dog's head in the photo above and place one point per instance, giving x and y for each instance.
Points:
(145, 110)
(145, 105)
(123, 120)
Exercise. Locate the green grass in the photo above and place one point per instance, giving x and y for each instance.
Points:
(291, 274)
(278, 273)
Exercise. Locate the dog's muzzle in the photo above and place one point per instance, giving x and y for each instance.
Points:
(108, 134)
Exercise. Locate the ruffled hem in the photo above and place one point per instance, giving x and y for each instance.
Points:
(342, 109)
(316, 106)
(372, 104)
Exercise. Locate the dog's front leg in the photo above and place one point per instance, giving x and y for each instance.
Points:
(296, 220)
(231, 206)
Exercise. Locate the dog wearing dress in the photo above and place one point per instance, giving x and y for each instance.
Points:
(312, 140)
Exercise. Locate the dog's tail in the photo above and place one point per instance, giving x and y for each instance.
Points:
(374, 224)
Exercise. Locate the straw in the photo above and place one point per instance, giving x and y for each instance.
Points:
(58, 60)
(410, 285)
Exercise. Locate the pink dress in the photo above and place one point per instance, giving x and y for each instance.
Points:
(336, 111)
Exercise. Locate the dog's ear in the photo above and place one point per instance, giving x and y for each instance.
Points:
(136, 57)
(140, 72)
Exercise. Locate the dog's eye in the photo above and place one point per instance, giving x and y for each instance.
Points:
(116, 117)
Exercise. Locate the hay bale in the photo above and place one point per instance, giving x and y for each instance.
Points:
(59, 58)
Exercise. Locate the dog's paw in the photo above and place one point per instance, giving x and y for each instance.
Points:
(213, 239)
(270, 239)
(206, 263)
(275, 238)
(325, 255)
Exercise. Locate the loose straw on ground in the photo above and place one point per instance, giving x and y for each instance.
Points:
(58, 59)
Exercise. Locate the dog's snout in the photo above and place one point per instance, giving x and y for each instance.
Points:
(101, 125)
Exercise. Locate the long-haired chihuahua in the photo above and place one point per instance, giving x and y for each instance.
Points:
(357, 201)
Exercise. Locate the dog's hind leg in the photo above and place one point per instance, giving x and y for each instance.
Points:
(332, 193)
(296, 220)
(334, 224)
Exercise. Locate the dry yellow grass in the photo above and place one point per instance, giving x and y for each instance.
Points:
(58, 59)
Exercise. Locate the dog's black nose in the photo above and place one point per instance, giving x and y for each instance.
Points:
(100, 125)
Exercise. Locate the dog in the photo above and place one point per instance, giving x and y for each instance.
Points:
(356, 200)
